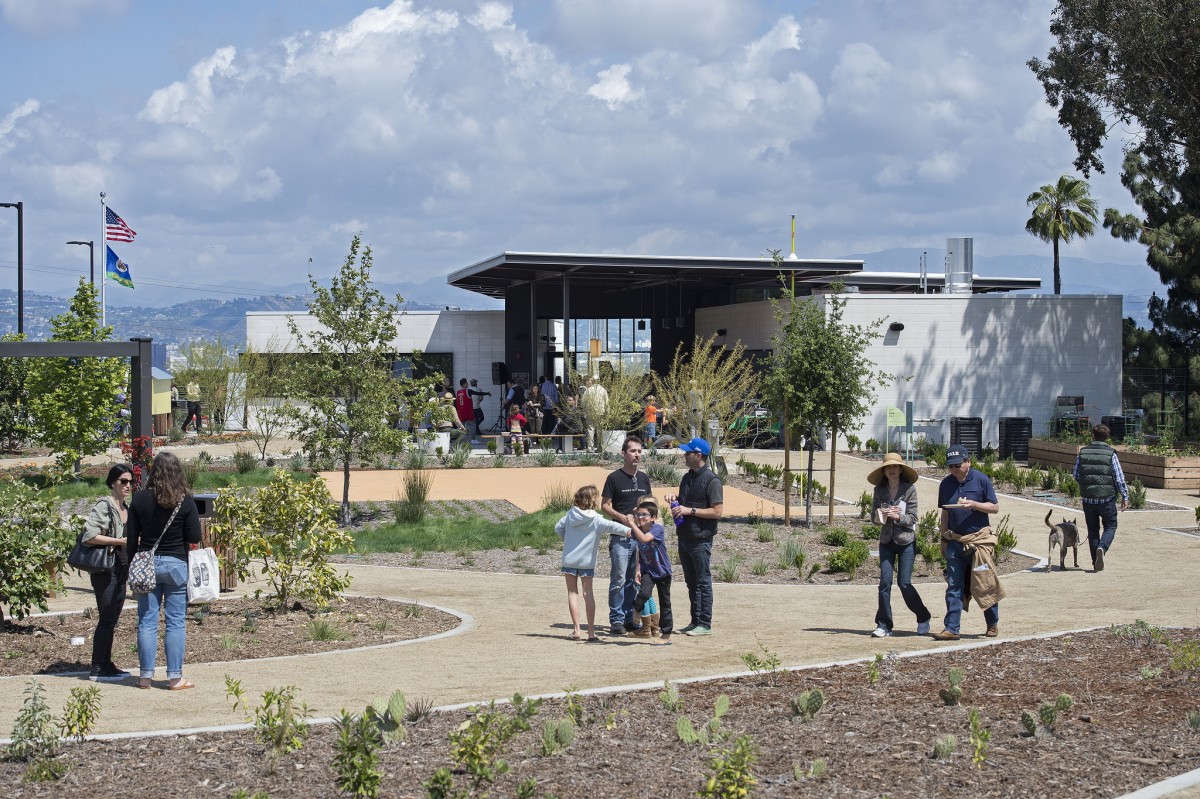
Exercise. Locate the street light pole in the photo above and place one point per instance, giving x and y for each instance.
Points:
(91, 245)
(20, 263)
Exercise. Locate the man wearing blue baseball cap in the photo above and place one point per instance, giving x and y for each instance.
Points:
(697, 508)
(967, 498)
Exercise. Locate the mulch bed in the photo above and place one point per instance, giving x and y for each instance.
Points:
(229, 629)
(1127, 728)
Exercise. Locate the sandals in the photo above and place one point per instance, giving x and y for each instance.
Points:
(594, 640)
(574, 637)
(182, 685)
(145, 684)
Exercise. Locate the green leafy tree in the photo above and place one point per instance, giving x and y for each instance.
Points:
(72, 400)
(1061, 212)
(819, 374)
(626, 388)
(34, 541)
(284, 533)
(348, 399)
(707, 381)
(1135, 66)
(14, 398)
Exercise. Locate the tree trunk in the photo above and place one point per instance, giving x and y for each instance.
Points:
(1057, 274)
(832, 469)
(787, 467)
(346, 491)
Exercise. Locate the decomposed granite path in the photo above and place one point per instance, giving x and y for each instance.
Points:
(513, 638)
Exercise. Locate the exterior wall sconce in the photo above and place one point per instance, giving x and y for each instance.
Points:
(896, 327)
(721, 331)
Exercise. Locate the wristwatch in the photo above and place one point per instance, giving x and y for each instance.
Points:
(693, 511)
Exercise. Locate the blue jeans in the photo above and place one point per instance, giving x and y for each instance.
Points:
(1094, 515)
(958, 583)
(907, 554)
(169, 594)
(622, 556)
(696, 559)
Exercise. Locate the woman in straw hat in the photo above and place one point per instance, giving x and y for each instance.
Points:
(894, 507)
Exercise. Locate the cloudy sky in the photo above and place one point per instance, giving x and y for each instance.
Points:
(242, 139)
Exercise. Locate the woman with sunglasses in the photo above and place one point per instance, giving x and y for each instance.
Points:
(105, 527)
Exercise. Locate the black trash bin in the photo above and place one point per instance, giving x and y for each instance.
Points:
(1116, 428)
(968, 431)
(1015, 432)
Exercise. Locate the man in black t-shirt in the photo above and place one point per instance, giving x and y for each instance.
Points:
(701, 504)
(620, 496)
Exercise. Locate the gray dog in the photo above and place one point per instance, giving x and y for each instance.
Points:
(1064, 534)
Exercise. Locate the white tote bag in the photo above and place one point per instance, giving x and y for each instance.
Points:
(204, 575)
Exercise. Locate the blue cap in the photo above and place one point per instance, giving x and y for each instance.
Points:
(956, 455)
(697, 445)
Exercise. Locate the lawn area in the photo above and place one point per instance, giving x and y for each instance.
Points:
(460, 534)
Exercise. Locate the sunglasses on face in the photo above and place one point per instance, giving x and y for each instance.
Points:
(125, 481)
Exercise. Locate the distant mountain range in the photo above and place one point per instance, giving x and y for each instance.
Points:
(157, 312)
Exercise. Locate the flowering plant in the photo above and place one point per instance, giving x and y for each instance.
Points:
(139, 451)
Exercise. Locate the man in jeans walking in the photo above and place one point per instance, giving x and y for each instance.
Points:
(1100, 479)
(701, 504)
(619, 499)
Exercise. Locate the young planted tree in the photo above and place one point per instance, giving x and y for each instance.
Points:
(622, 410)
(269, 381)
(707, 381)
(35, 539)
(1060, 213)
(215, 367)
(73, 400)
(346, 396)
(819, 374)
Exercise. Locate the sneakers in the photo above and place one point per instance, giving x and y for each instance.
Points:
(107, 672)
(1098, 559)
(617, 629)
(881, 632)
(688, 629)
(945, 635)
(992, 631)
(923, 628)
(698, 630)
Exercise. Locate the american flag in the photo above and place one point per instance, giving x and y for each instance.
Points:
(115, 227)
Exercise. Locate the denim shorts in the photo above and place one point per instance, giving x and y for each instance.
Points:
(580, 572)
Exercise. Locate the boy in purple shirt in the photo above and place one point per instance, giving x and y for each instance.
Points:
(655, 566)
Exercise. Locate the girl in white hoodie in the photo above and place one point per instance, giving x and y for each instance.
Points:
(581, 529)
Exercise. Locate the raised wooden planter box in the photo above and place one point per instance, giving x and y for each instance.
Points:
(1155, 471)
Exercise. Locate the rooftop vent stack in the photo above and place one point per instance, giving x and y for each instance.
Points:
(960, 265)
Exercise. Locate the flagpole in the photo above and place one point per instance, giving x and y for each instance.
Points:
(104, 251)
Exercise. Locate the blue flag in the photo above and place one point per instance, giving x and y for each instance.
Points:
(117, 269)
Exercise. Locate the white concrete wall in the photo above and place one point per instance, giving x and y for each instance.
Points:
(475, 338)
(985, 355)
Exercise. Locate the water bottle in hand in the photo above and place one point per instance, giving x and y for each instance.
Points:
(674, 505)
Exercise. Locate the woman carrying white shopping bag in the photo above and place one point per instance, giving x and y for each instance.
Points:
(163, 520)
(203, 576)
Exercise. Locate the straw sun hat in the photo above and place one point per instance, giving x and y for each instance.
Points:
(907, 473)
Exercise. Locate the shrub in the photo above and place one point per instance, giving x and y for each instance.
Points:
(1006, 539)
(664, 472)
(356, 758)
(789, 550)
(244, 461)
(764, 532)
(870, 532)
(557, 497)
(936, 456)
(849, 558)
(1137, 494)
(944, 746)
(458, 457)
(872, 446)
(864, 504)
(731, 777)
(853, 442)
(836, 537)
(287, 529)
(728, 570)
(1069, 486)
(34, 541)
(410, 509)
(545, 456)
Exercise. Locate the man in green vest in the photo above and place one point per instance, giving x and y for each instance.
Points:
(1100, 479)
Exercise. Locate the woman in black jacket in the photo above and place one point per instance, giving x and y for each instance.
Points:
(105, 527)
(164, 514)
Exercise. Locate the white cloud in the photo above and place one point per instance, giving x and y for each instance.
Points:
(612, 86)
(190, 102)
(9, 123)
(941, 167)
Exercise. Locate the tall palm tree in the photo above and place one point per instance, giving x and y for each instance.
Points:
(1060, 213)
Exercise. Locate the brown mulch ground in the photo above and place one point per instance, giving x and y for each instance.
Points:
(1127, 727)
(230, 629)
